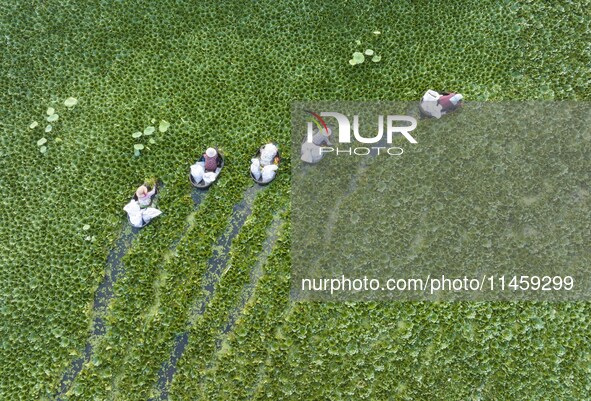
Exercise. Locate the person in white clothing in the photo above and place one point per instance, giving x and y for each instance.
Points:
(139, 217)
(138, 209)
(311, 152)
(263, 167)
(322, 137)
(268, 173)
(435, 104)
(207, 168)
(268, 154)
(255, 169)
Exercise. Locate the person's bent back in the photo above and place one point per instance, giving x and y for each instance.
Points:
(211, 160)
(144, 195)
(450, 102)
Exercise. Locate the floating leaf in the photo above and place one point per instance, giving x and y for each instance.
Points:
(358, 57)
(152, 141)
(58, 140)
(43, 149)
(376, 58)
(71, 102)
(149, 130)
(48, 128)
(50, 111)
(53, 117)
(33, 124)
(137, 134)
(164, 125)
(41, 141)
(376, 32)
(136, 153)
(86, 227)
(358, 42)
(369, 52)
(152, 121)
(352, 62)
(138, 146)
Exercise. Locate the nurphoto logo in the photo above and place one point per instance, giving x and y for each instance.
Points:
(394, 125)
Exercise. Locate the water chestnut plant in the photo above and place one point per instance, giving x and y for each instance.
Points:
(228, 78)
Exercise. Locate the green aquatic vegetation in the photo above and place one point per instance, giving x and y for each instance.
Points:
(70, 102)
(216, 59)
(191, 253)
(222, 297)
(253, 335)
(358, 58)
(148, 131)
(209, 329)
(163, 126)
(151, 181)
(137, 148)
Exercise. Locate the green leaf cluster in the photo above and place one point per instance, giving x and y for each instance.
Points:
(147, 132)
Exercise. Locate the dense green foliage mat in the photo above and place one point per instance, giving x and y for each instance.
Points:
(482, 194)
(225, 74)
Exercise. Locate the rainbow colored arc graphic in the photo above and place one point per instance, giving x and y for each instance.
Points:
(318, 121)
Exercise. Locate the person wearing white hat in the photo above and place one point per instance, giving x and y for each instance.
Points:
(450, 102)
(211, 159)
